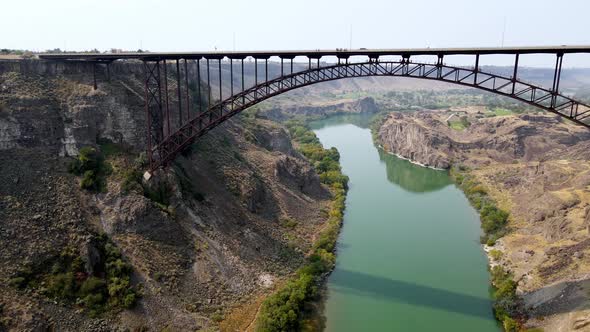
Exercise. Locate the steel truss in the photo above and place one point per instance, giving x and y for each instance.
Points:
(163, 148)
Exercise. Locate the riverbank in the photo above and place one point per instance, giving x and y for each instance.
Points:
(398, 214)
(536, 168)
(291, 307)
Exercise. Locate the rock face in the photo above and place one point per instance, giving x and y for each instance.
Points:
(54, 105)
(363, 105)
(416, 142)
(292, 171)
(198, 250)
(426, 138)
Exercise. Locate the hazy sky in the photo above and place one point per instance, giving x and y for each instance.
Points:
(182, 25)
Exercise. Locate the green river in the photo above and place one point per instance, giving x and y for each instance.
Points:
(408, 256)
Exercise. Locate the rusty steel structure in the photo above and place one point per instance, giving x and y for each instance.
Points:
(173, 125)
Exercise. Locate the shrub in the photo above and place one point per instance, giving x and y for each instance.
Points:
(132, 181)
(281, 311)
(217, 317)
(506, 303)
(62, 286)
(89, 181)
(289, 223)
(92, 285)
(90, 164)
(160, 193)
(18, 282)
(493, 220)
(129, 300)
(66, 279)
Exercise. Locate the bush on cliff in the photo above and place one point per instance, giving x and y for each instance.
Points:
(108, 287)
(507, 305)
(91, 166)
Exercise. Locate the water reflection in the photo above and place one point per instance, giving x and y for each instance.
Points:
(409, 176)
(412, 177)
(362, 120)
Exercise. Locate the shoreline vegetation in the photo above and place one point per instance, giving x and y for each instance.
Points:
(507, 305)
(290, 307)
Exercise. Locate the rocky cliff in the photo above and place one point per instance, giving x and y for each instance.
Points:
(427, 138)
(205, 238)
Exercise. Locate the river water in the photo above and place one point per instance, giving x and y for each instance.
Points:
(409, 257)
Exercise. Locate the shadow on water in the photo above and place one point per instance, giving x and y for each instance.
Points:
(359, 283)
(412, 177)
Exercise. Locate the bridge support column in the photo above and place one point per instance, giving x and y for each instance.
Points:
(515, 72)
(476, 68)
(439, 64)
(153, 107)
(94, 75)
(556, 78)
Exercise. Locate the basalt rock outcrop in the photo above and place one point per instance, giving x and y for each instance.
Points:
(415, 141)
(425, 137)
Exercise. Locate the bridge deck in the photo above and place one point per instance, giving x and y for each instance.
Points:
(341, 53)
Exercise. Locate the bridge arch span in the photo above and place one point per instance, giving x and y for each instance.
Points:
(511, 87)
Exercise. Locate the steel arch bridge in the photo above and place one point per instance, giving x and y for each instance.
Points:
(166, 139)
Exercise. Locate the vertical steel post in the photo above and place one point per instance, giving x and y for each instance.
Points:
(178, 92)
(94, 75)
(188, 109)
(231, 77)
(282, 74)
(208, 84)
(220, 84)
(556, 78)
(242, 75)
(291, 66)
(476, 68)
(160, 124)
(167, 104)
(199, 85)
(243, 96)
(148, 74)
(515, 72)
(255, 71)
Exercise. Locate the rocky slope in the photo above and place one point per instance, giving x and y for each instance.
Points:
(426, 137)
(232, 217)
(538, 168)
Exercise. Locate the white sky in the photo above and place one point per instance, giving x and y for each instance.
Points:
(183, 25)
